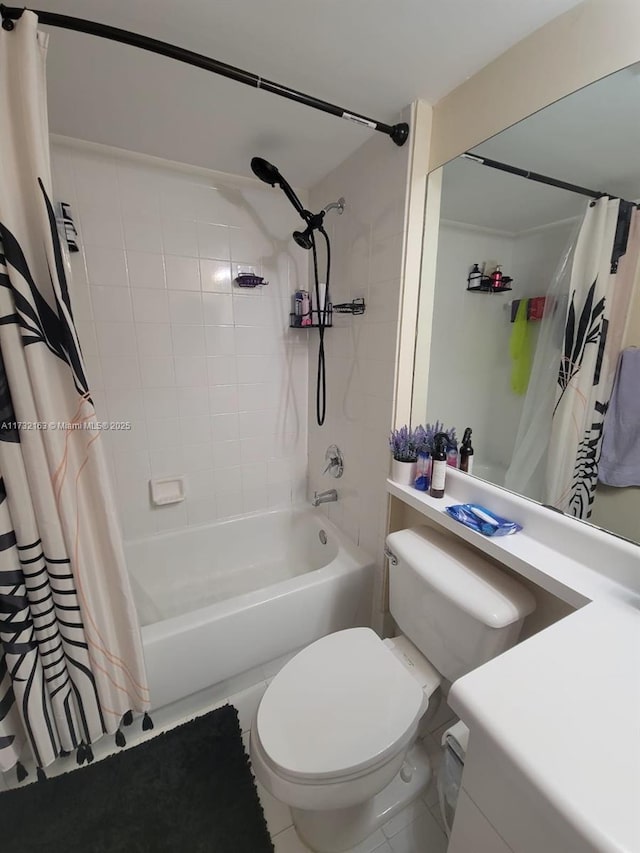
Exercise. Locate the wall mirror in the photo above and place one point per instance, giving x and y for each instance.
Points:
(542, 359)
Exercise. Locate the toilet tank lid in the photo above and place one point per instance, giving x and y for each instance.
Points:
(462, 575)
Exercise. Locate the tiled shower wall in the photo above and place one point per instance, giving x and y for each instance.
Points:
(210, 377)
(367, 244)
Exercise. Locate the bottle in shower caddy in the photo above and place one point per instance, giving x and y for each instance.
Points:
(496, 277)
(466, 452)
(439, 465)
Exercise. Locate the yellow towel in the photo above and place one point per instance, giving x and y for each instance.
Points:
(520, 350)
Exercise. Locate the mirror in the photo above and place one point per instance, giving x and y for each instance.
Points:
(496, 346)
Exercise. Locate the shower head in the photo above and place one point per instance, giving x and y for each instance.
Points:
(303, 238)
(268, 173)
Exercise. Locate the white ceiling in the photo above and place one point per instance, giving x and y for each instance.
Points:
(590, 138)
(369, 56)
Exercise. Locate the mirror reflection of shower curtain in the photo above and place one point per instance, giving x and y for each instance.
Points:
(575, 361)
(601, 286)
(527, 469)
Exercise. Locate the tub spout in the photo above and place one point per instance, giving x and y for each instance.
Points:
(324, 497)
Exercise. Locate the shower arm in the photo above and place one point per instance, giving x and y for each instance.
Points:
(399, 133)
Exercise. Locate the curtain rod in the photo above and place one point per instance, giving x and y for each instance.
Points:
(534, 176)
(398, 132)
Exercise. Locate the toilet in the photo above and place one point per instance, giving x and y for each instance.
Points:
(335, 736)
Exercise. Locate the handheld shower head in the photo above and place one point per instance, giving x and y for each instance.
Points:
(268, 173)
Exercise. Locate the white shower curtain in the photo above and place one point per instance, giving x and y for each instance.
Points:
(599, 299)
(71, 660)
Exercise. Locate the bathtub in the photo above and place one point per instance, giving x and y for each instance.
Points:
(219, 599)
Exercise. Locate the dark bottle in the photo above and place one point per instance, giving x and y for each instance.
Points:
(439, 464)
(466, 452)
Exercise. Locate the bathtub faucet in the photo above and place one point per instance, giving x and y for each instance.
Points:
(324, 497)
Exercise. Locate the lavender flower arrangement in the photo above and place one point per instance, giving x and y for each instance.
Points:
(407, 443)
(424, 436)
(403, 445)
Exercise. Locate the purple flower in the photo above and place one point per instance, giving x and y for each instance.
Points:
(402, 444)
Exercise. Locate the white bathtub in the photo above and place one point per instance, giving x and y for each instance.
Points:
(220, 599)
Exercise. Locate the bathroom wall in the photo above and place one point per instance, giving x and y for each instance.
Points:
(367, 243)
(210, 377)
(470, 365)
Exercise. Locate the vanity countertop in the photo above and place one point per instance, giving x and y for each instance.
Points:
(572, 560)
(564, 708)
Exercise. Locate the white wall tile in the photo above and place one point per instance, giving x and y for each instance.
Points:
(142, 235)
(120, 372)
(192, 403)
(163, 433)
(213, 241)
(224, 427)
(161, 402)
(150, 305)
(190, 371)
(154, 301)
(146, 269)
(106, 267)
(154, 339)
(217, 309)
(116, 339)
(221, 370)
(157, 371)
(101, 228)
(182, 273)
(188, 340)
(215, 276)
(180, 238)
(185, 307)
(220, 340)
(111, 304)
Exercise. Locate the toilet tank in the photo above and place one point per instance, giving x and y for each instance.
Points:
(455, 606)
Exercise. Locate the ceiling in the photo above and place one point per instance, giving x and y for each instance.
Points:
(590, 138)
(369, 56)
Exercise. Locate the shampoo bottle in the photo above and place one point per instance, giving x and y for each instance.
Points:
(466, 452)
(439, 465)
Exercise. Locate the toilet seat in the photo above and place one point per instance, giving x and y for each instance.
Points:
(340, 708)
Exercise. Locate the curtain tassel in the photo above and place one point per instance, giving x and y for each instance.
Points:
(120, 739)
(64, 753)
(89, 754)
(81, 754)
(42, 776)
(147, 722)
(21, 772)
(127, 719)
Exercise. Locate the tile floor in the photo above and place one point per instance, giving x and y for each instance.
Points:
(417, 829)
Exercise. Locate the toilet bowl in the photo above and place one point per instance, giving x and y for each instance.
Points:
(334, 736)
(335, 724)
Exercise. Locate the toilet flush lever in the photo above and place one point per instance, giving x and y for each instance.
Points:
(393, 560)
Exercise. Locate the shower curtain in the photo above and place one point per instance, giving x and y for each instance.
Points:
(601, 286)
(71, 662)
(574, 364)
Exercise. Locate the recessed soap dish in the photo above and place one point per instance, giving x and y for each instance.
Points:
(168, 490)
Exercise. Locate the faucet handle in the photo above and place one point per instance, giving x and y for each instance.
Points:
(335, 461)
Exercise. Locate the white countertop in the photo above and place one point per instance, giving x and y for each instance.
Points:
(574, 561)
(564, 706)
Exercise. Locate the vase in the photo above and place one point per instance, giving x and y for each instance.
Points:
(403, 473)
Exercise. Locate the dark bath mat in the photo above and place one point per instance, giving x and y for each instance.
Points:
(189, 790)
